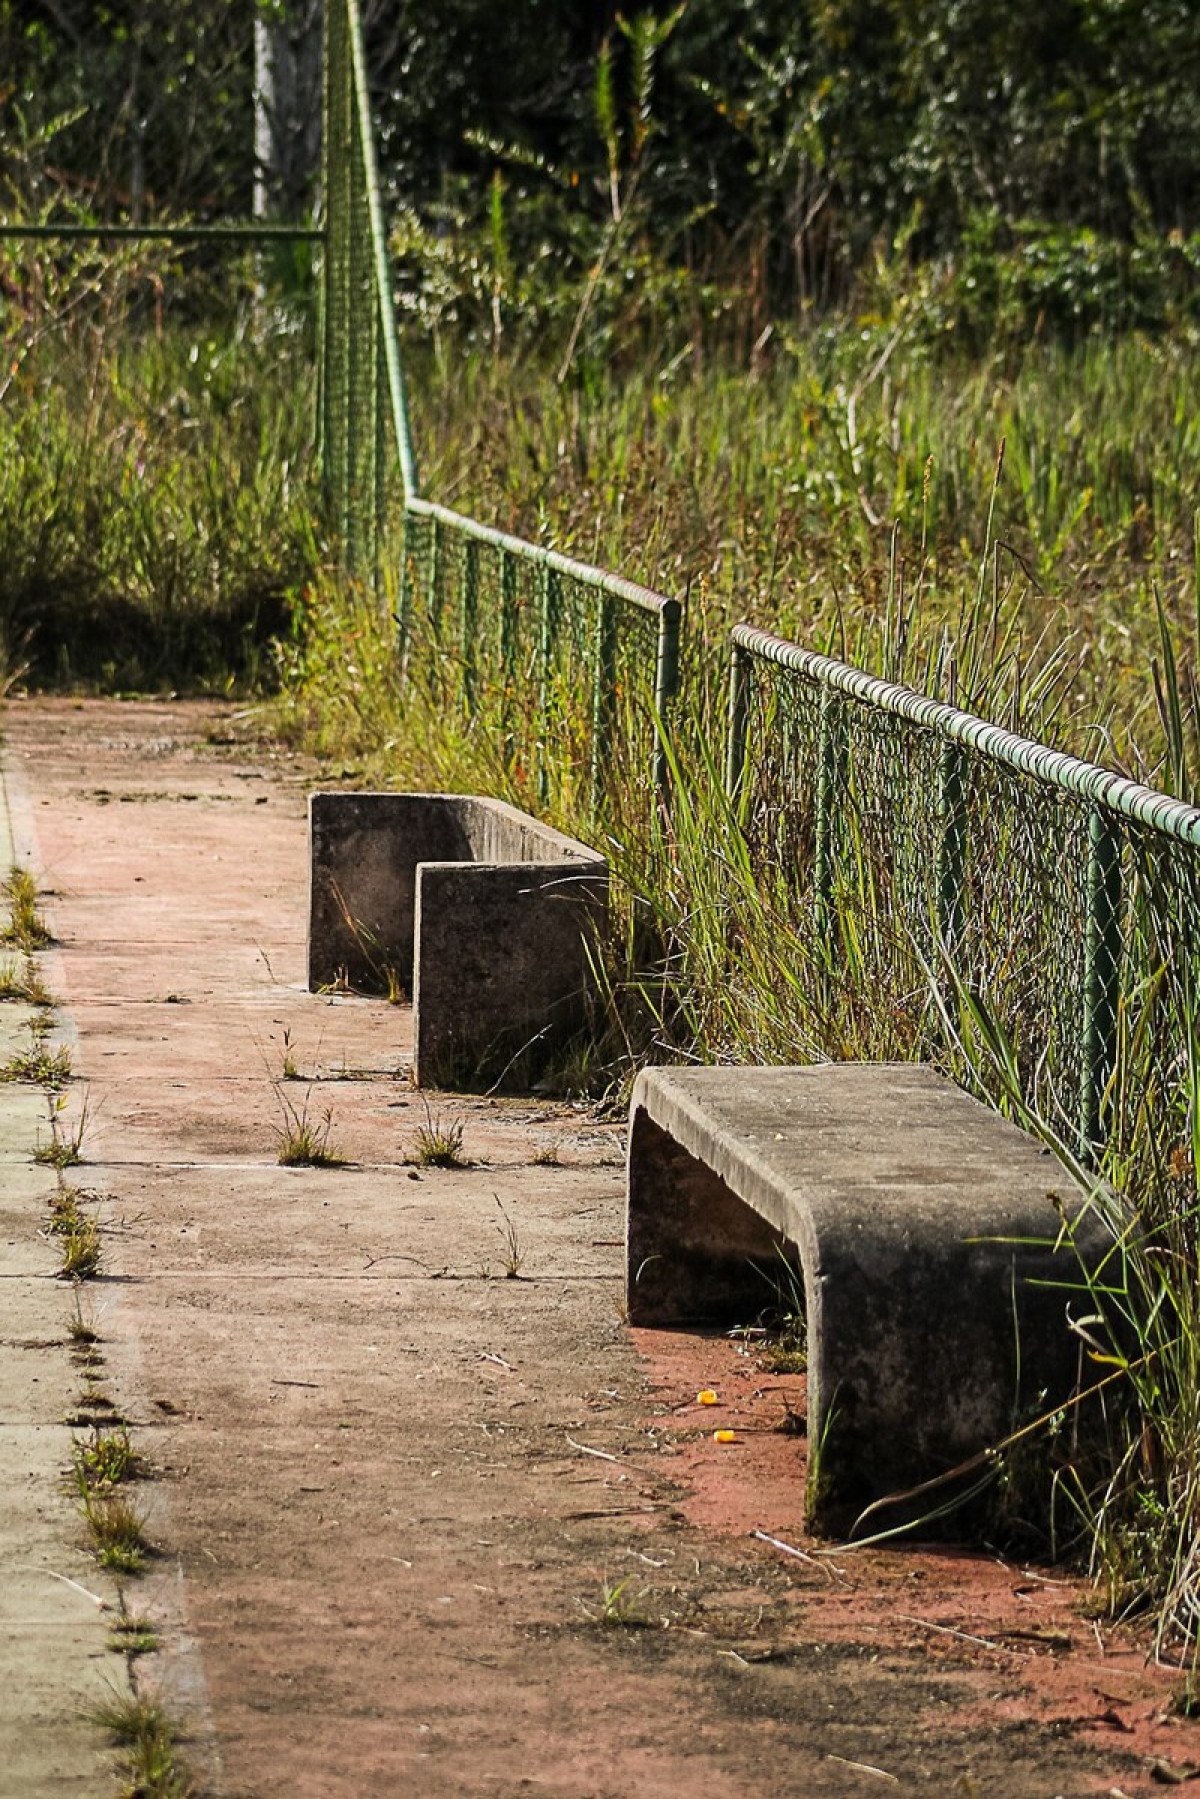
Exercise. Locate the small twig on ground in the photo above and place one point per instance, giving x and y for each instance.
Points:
(102, 1604)
(585, 1450)
(964, 1636)
(863, 1767)
(801, 1555)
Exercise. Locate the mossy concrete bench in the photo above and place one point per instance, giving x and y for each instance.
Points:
(484, 915)
(924, 1227)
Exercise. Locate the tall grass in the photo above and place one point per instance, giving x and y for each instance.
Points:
(805, 493)
(156, 433)
(1125, 1488)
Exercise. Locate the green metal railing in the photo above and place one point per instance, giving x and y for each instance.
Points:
(1061, 893)
(581, 665)
(234, 232)
(572, 670)
(898, 834)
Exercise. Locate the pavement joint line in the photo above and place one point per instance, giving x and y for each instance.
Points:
(300, 1171)
(110, 1282)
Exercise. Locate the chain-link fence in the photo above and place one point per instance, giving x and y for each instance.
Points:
(568, 670)
(913, 847)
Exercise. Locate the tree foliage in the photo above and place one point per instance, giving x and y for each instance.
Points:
(776, 149)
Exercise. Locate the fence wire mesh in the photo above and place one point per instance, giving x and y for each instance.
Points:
(561, 670)
(927, 878)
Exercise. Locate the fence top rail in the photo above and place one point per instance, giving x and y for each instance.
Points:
(644, 598)
(380, 258)
(1101, 786)
(229, 233)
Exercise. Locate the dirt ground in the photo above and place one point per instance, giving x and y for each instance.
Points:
(430, 1523)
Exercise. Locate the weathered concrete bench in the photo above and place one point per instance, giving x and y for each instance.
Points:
(484, 915)
(921, 1223)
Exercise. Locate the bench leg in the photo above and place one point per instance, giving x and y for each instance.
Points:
(503, 972)
(696, 1253)
(364, 849)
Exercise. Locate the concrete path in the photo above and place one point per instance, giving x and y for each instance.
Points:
(429, 1521)
(55, 1662)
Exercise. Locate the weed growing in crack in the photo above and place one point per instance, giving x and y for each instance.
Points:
(547, 1156)
(290, 1070)
(39, 1065)
(437, 1145)
(618, 1608)
(95, 1405)
(514, 1249)
(384, 973)
(131, 1635)
(340, 985)
(22, 981)
(152, 1764)
(117, 1527)
(81, 1251)
(301, 1142)
(65, 1149)
(65, 1215)
(107, 1460)
(26, 929)
(84, 1336)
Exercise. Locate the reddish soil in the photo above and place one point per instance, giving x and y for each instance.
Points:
(393, 1484)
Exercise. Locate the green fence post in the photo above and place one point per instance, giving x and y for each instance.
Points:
(952, 844)
(404, 591)
(468, 613)
(335, 373)
(551, 588)
(823, 852)
(433, 575)
(508, 616)
(379, 470)
(739, 714)
(508, 648)
(360, 375)
(375, 244)
(666, 686)
(1102, 947)
(604, 679)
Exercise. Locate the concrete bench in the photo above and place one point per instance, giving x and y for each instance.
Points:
(920, 1222)
(486, 917)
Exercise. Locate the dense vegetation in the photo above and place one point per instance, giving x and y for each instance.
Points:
(1033, 162)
